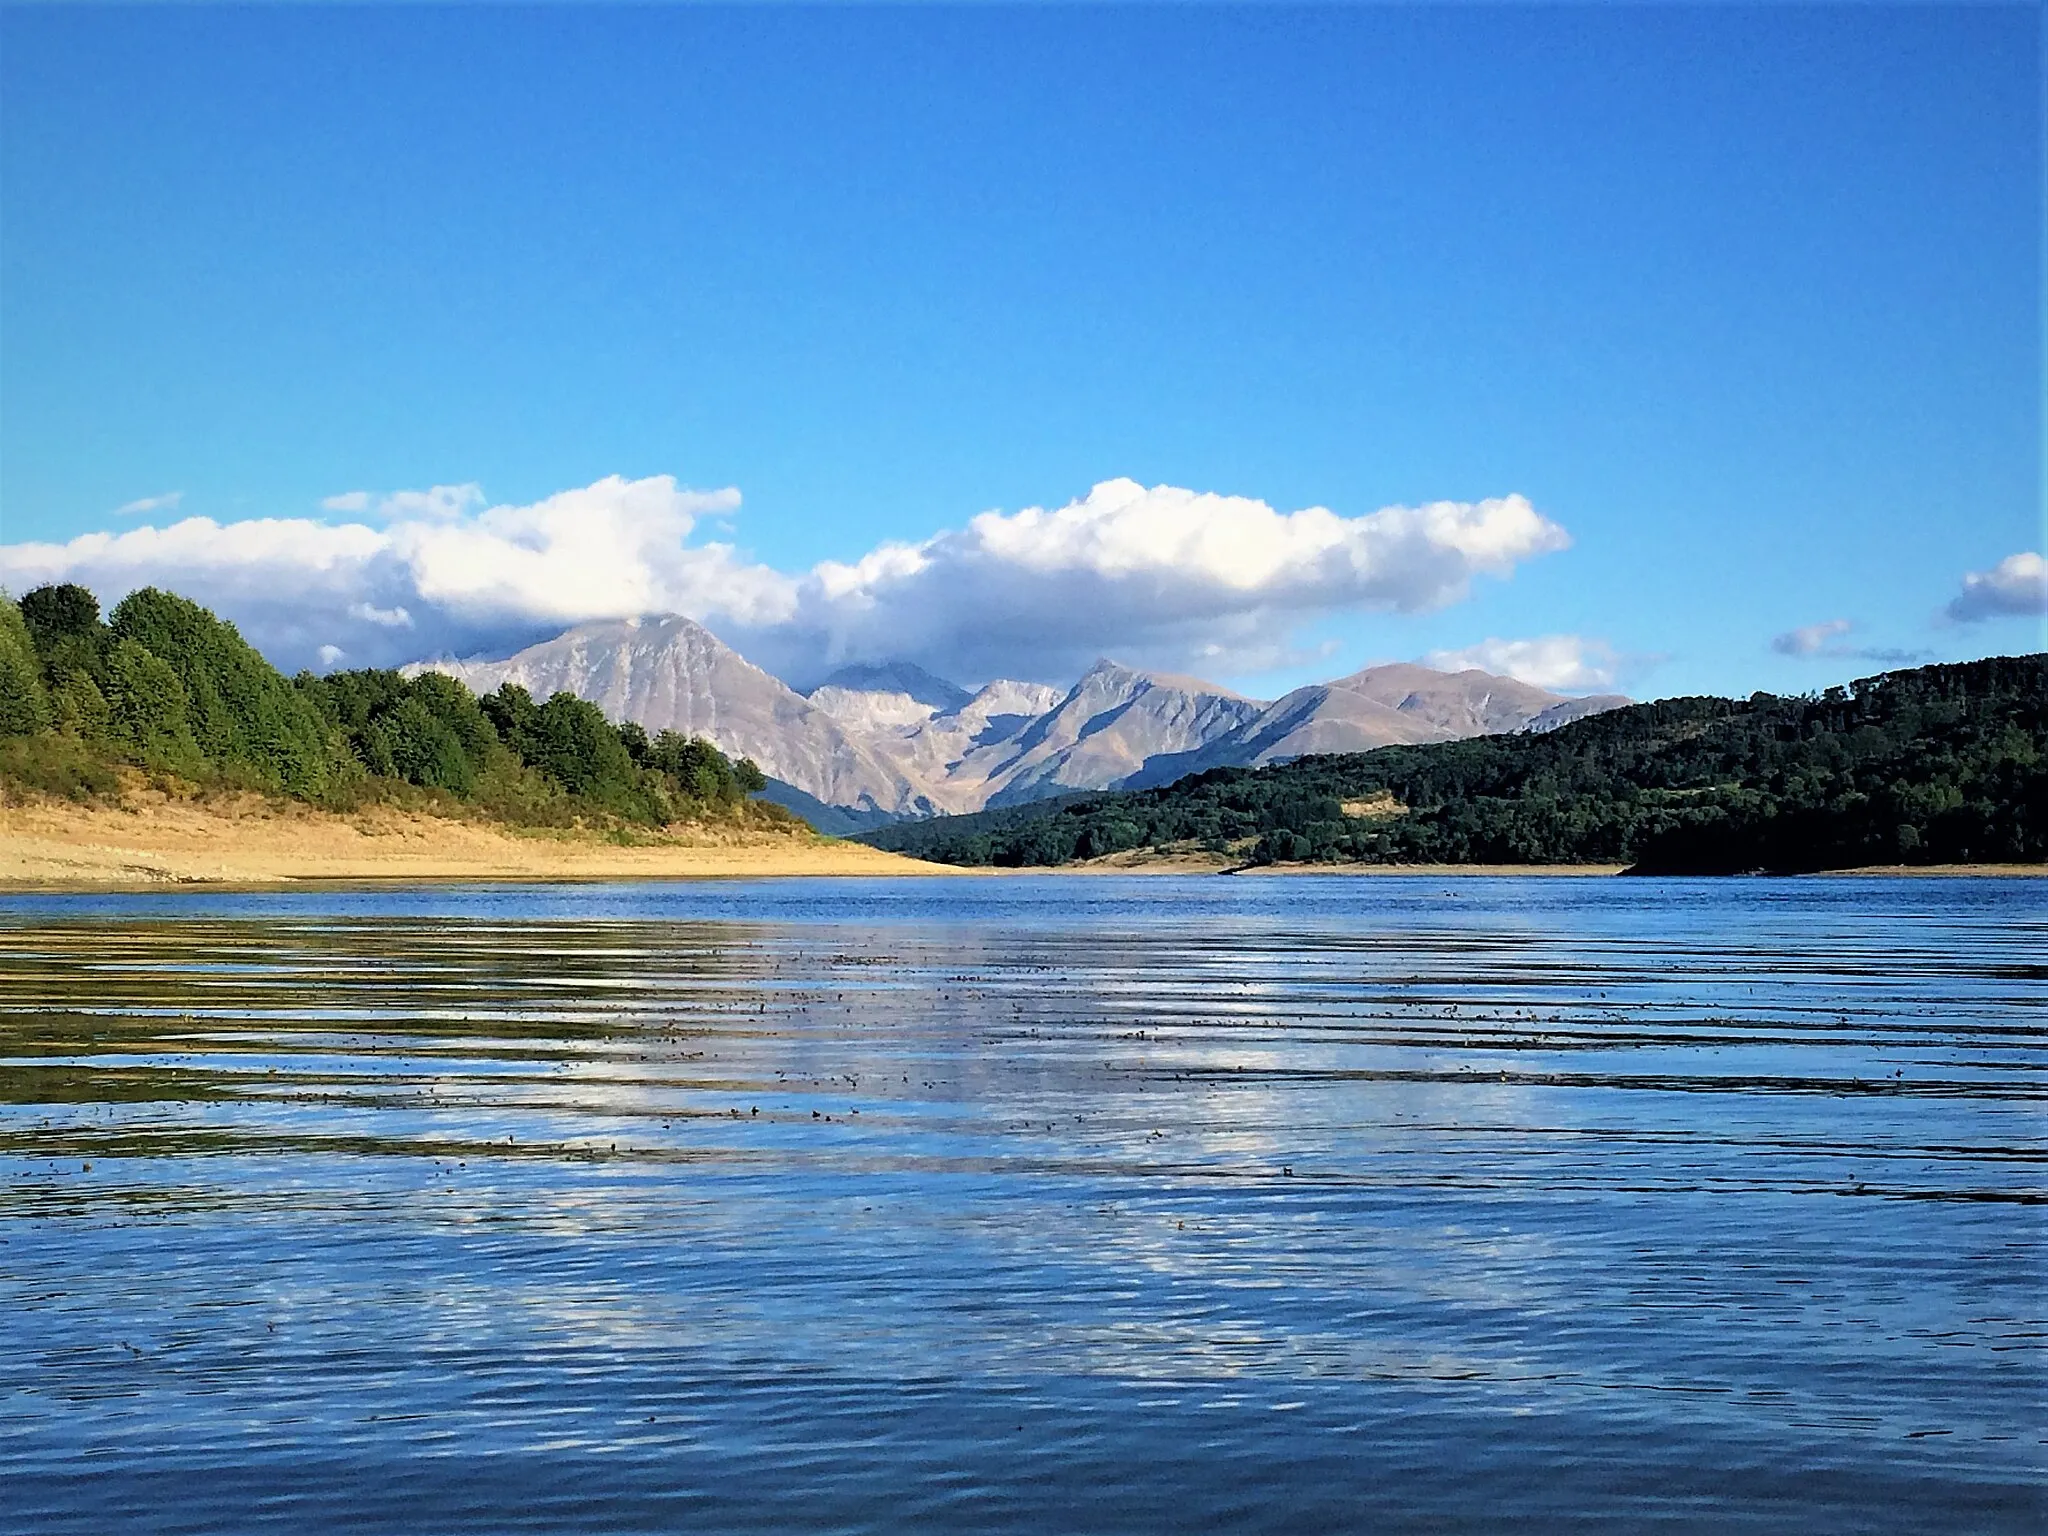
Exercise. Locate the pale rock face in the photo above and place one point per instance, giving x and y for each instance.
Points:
(670, 673)
(1400, 704)
(1469, 703)
(1112, 722)
(886, 697)
(952, 753)
(894, 740)
(871, 711)
(1565, 711)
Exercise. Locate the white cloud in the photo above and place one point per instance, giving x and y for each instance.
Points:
(168, 502)
(1565, 663)
(1810, 639)
(329, 654)
(1819, 641)
(439, 503)
(2018, 584)
(1159, 576)
(390, 618)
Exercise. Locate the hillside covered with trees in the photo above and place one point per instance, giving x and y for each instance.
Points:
(1941, 764)
(163, 686)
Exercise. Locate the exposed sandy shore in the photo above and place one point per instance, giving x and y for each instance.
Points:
(251, 841)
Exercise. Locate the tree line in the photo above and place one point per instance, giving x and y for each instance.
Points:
(1939, 764)
(164, 685)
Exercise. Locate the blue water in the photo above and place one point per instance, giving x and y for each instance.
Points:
(1027, 1205)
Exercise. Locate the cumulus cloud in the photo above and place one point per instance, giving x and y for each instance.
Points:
(1157, 575)
(168, 502)
(2017, 585)
(1563, 663)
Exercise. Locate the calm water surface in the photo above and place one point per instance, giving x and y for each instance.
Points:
(1027, 1205)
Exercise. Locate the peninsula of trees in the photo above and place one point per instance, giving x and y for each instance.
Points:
(1936, 765)
(163, 687)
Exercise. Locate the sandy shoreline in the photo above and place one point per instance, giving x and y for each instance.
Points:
(252, 841)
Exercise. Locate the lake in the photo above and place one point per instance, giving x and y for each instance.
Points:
(1027, 1205)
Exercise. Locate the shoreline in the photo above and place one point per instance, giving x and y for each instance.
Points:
(251, 841)
(1196, 864)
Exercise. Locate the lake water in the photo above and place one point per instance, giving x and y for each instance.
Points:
(1027, 1205)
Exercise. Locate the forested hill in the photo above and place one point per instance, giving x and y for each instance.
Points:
(163, 687)
(1944, 764)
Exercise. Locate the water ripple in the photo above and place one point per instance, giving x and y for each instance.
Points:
(1028, 1205)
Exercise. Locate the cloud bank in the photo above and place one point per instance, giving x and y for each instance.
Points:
(1160, 575)
(2017, 585)
(1562, 663)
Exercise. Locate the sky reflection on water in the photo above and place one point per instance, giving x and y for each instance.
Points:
(1026, 1204)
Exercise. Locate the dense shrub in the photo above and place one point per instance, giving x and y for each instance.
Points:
(239, 709)
(24, 702)
(147, 715)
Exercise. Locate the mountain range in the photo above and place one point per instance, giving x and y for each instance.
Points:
(873, 744)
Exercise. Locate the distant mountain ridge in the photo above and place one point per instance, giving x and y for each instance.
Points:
(670, 673)
(1942, 764)
(877, 742)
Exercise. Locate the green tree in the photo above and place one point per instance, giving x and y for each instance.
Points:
(424, 750)
(241, 711)
(569, 742)
(57, 615)
(427, 730)
(146, 709)
(79, 705)
(24, 703)
(70, 641)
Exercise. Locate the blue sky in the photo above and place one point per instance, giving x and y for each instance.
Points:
(1745, 301)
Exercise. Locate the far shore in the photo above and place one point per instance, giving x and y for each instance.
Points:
(156, 842)
(1218, 864)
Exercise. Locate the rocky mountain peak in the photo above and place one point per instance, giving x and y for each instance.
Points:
(892, 739)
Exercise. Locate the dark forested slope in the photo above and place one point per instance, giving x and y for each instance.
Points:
(1943, 764)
